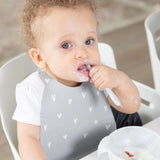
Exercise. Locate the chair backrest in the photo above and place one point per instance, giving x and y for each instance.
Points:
(107, 55)
(18, 68)
(152, 26)
(10, 74)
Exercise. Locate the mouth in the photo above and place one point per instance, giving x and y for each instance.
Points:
(84, 69)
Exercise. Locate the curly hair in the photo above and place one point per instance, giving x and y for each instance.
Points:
(34, 8)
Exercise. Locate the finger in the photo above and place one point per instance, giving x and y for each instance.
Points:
(93, 71)
(91, 80)
(96, 77)
(98, 83)
(101, 87)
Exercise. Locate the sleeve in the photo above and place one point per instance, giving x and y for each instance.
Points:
(28, 101)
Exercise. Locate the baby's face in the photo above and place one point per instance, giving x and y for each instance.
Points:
(68, 43)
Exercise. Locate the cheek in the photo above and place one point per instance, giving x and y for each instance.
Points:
(54, 62)
(97, 58)
(61, 68)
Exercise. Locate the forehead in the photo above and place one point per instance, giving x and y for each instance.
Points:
(62, 20)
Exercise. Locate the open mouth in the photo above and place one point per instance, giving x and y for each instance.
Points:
(84, 69)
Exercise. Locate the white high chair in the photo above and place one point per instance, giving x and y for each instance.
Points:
(152, 26)
(19, 67)
(11, 73)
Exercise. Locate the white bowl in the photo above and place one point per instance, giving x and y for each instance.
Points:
(136, 140)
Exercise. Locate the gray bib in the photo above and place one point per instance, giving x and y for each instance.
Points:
(73, 119)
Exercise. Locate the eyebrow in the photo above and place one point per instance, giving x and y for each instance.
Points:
(72, 34)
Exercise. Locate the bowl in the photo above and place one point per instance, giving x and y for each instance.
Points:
(131, 143)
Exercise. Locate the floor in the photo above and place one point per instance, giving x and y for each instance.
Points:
(121, 24)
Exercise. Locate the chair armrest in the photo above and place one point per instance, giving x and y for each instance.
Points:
(150, 106)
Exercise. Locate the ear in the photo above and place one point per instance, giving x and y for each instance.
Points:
(37, 58)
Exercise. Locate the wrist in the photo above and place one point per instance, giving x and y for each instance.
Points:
(121, 81)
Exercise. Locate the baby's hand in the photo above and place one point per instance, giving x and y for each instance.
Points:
(105, 77)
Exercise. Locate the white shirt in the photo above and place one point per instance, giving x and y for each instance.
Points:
(28, 96)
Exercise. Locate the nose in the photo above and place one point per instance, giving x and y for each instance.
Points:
(81, 53)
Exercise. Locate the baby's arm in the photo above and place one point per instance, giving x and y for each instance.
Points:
(29, 142)
(107, 77)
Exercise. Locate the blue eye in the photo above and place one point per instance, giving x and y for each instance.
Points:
(89, 42)
(66, 45)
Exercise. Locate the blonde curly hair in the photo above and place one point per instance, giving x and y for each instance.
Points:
(34, 8)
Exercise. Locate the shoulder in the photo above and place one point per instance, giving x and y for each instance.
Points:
(32, 84)
(29, 94)
(30, 89)
(33, 80)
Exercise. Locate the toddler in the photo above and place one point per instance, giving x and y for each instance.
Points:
(62, 112)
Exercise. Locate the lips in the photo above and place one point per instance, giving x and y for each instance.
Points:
(82, 68)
